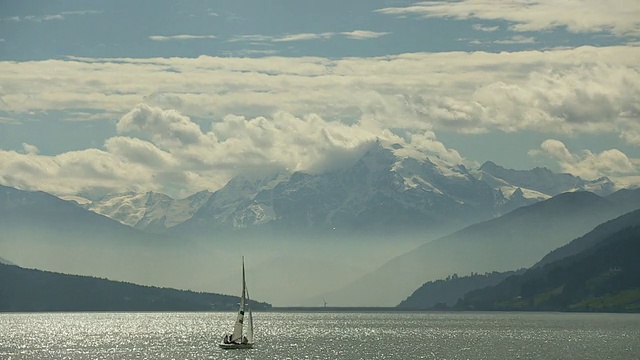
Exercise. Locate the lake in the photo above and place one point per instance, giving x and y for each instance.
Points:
(318, 335)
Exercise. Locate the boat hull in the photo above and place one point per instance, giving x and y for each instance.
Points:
(235, 346)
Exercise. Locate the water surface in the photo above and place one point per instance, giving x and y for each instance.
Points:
(322, 336)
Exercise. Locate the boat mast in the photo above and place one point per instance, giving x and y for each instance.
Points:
(237, 329)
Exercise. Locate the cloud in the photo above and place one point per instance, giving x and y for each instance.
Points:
(49, 17)
(8, 120)
(304, 37)
(428, 142)
(565, 91)
(180, 37)
(363, 34)
(354, 35)
(165, 127)
(251, 38)
(586, 16)
(43, 17)
(480, 27)
(137, 151)
(517, 39)
(250, 52)
(73, 172)
(168, 152)
(30, 149)
(589, 165)
(631, 136)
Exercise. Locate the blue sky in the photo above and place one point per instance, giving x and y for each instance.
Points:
(179, 96)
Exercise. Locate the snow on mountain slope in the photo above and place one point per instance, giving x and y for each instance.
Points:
(390, 186)
(542, 181)
(127, 208)
(153, 212)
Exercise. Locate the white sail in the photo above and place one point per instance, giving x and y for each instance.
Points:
(237, 328)
(238, 339)
(250, 321)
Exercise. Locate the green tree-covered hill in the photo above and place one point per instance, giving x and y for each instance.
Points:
(605, 277)
(446, 292)
(34, 290)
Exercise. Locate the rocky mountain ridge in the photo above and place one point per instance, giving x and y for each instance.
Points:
(388, 188)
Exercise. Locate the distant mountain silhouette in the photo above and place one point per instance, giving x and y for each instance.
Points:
(5, 261)
(604, 277)
(38, 215)
(515, 240)
(39, 230)
(594, 237)
(35, 290)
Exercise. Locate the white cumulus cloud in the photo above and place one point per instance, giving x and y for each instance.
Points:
(165, 127)
(588, 165)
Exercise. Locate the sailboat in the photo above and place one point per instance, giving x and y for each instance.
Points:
(240, 339)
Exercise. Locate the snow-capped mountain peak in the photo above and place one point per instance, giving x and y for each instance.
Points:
(388, 187)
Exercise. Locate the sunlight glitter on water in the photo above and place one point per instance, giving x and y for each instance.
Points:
(321, 336)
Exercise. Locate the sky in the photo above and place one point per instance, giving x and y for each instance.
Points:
(178, 96)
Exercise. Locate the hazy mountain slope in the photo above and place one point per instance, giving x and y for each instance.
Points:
(448, 291)
(35, 290)
(605, 277)
(515, 240)
(453, 288)
(589, 240)
(38, 214)
(39, 230)
(5, 261)
(626, 198)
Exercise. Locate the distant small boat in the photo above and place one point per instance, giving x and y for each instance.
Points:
(240, 339)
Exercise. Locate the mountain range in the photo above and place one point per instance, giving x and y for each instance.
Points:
(515, 240)
(150, 212)
(600, 272)
(389, 189)
(500, 290)
(316, 235)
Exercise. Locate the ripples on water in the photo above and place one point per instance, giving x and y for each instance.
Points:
(321, 336)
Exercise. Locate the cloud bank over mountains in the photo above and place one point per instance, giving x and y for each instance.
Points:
(586, 89)
(191, 124)
(178, 124)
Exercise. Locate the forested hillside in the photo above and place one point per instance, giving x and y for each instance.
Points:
(35, 290)
(444, 293)
(605, 277)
